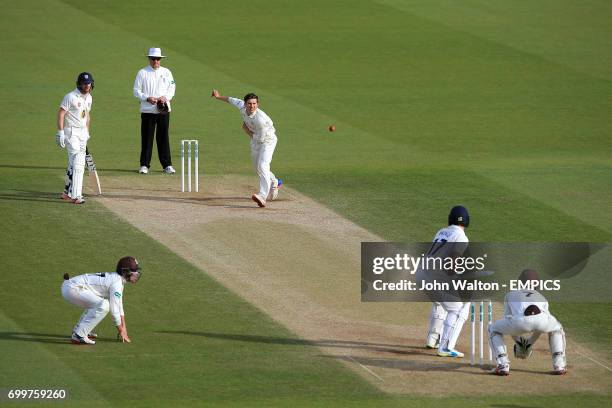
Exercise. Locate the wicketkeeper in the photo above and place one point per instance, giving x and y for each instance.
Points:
(99, 293)
(526, 318)
(260, 129)
(73, 124)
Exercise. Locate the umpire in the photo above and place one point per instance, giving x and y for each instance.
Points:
(154, 87)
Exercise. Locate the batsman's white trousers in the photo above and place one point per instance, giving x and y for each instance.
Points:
(436, 324)
(96, 307)
(76, 145)
(261, 154)
(528, 326)
(456, 314)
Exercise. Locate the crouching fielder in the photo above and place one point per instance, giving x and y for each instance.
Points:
(99, 293)
(526, 318)
(259, 127)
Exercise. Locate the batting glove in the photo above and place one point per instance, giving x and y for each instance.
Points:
(60, 139)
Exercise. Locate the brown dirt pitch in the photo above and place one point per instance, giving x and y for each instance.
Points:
(299, 262)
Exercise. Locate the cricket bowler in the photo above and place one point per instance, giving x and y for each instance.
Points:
(260, 129)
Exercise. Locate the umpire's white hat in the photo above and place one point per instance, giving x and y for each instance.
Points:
(155, 52)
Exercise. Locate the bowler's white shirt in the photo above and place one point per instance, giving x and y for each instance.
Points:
(77, 107)
(155, 83)
(107, 285)
(258, 122)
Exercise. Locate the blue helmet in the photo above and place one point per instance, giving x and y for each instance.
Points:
(85, 78)
(459, 216)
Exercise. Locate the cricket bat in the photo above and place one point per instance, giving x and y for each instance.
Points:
(93, 174)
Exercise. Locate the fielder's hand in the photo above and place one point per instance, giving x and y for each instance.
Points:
(214, 93)
(60, 139)
(123, 337)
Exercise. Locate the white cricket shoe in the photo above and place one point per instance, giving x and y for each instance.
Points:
(259, 200)
(275, 185)
(79, 200)
(450, 353)
(432, 341)
(559, 367)
(169, 170)
(143, 170)
(76, 339)
(501, 369)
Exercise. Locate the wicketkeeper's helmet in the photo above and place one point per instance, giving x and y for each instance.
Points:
(459, 216)
(85, 78)
(127, 266)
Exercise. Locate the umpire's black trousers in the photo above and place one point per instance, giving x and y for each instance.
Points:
(150, 121)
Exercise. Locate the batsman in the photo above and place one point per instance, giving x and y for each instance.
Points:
(73, 123)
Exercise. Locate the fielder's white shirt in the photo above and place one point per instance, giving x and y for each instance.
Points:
(517, 301)
(107, 285)
(77, 107)
(258, 122)
(156, 83)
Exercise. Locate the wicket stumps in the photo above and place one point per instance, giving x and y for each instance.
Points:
(197, 160)
(481, 316)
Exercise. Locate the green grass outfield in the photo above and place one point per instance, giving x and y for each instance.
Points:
(501, 106)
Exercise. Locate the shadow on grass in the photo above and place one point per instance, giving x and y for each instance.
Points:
(440, 364)
(36, 337)
(431, 363)
(53, 197)
(21, 166)
(32, 167)
(379, 347)
(26, 195)
(48, 338)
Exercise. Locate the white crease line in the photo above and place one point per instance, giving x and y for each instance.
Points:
(593, 360)
(366, 368)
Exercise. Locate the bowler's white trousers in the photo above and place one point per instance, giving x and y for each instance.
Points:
(96, 307)
(261, 154)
